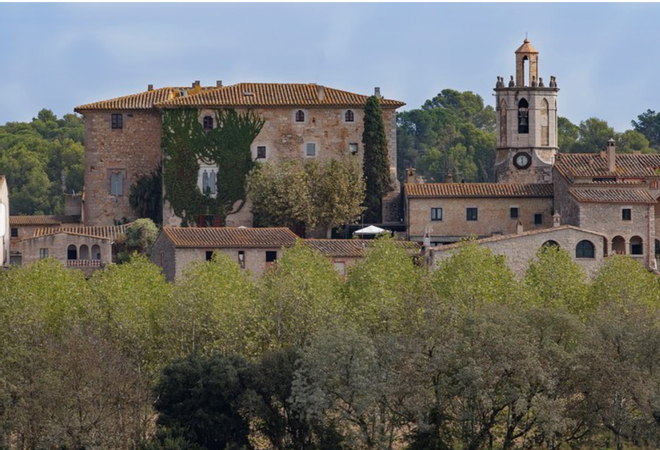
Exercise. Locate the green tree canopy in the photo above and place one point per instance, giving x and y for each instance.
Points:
(376, 163)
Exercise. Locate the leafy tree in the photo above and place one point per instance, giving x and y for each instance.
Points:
(314, 194)
(473, 277)
(42, 160)
(648, 124)
(593, 136)
(632, 141)
(213, 309)
(201, 396)
(625, 283)
(384, 288)
(141, 235)
(146, 197)
(553, 280)
(568, 134)
(301, 294)
(376, 164)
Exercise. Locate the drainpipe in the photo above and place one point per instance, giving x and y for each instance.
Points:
(651, 241)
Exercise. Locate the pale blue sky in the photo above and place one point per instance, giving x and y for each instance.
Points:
(605, 56)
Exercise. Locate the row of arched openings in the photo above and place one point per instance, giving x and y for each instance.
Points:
(83, 252)
(583, 249)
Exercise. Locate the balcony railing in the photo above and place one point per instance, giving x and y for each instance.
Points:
(84, 263)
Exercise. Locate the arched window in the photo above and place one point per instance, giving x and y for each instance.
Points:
(72, 252)
(84, 252)
(208, 122)
(545, 123)
(550, 244)
(523, 116)
(96, 252)
(503, 124)
(300, 115)
(206, 189)
(585, 249)
(213, 182)
(349, 116)
(657, 249)
(636, 246)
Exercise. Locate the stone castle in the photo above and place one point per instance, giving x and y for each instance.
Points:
(593, 205)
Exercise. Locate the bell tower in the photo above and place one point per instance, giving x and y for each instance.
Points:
(526, 122)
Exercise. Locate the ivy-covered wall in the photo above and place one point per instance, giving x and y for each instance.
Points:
(185, 142)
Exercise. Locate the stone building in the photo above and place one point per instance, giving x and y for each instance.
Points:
(519, 249)
(83, 248)
(614, 194)
(123, 135)
(448, 212)
(527, 139)
(24, 227)
(5, 234)
(344, 253)
(253, 249)
(593, 205)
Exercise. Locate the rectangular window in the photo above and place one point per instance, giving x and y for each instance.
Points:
(14, 232)
(626, 214)
(310, 149)
(117, 182)
(271, 256)
(471, 214)
(654, 184)
(43, 253)
(436, 213)
(538, 219)
(261, 152)
(353, 149)
(117, 121)
(241, 259)
(208, 123)
(209, 255)
(513, 212)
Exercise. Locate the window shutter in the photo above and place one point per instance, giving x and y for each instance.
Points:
(120, 183)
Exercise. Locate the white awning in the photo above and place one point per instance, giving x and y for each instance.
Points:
(370, 230)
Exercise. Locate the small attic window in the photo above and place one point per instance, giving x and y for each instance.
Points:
(248, 94)
(183, 93)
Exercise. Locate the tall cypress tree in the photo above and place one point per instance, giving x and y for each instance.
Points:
(376, 164)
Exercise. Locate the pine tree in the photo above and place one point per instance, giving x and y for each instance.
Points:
(376, 164)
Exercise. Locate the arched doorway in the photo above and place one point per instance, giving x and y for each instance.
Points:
(618, 246)
(96, 252)
(636, 246)
(84, 252)
(71, 252)
(551, 244)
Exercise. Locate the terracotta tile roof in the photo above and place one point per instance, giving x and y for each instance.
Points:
(595, 165)
(505, 237)
(526, 47)
(142, 100)
(611, 195)
(17, 221)
(104, 232)
(275, 94)
(230, 237)
(350, 248)
(461, 190)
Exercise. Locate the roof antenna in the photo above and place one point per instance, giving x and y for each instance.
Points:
(525, 35)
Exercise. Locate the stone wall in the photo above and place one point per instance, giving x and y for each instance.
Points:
(134, 149)
(58, 244)
(493, 217)
(520, 250)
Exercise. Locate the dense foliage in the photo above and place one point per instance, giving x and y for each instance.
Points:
(315, 194)
(42, 160)
(392, 356)
(454, 133)
(185, 143)
(376, 163)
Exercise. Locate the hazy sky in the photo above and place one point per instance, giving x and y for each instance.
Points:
(606, 57)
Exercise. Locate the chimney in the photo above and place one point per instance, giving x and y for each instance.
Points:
(196, 83)
(603, 152)
(320, 91)
(611, 156)
(218, 83)
(519, 228)
(150, 87)
(410, 176)
(556, 220)
(450, 177)
(377, 93)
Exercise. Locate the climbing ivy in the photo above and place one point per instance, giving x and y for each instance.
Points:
(185, 143)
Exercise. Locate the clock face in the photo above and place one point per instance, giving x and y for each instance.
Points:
(522, 160)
